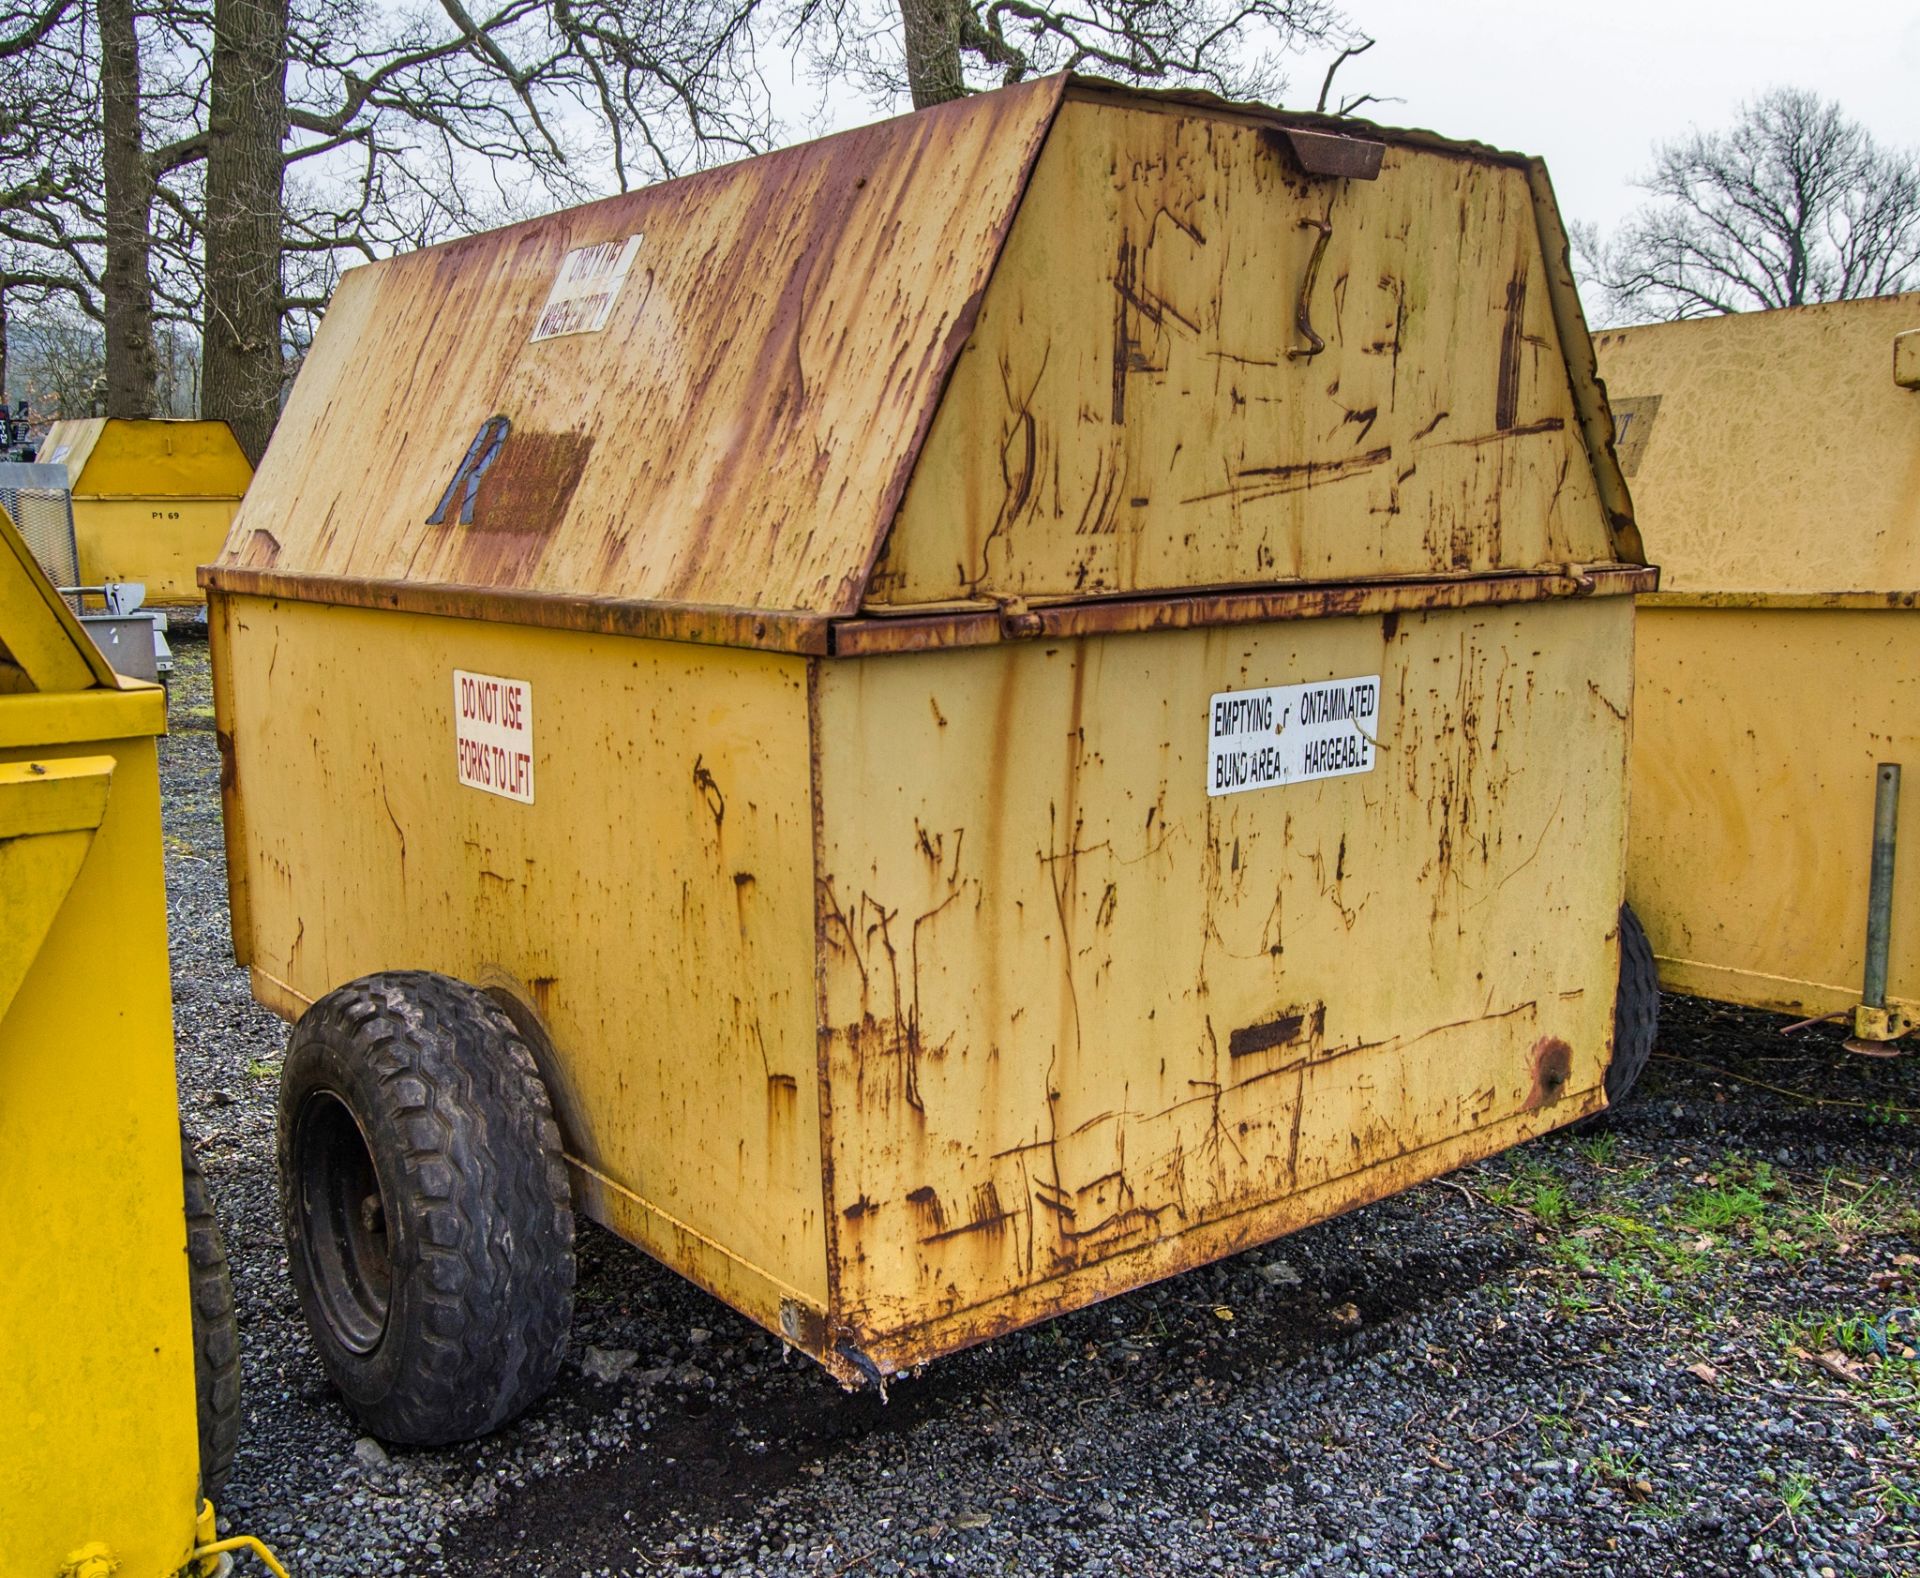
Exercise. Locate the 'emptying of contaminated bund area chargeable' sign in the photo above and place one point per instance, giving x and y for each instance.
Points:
(585, 289)
(1288, 734)
(493, 734)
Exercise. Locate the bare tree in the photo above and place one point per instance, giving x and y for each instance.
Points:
(126, 285)
(101, 106)
(245, 223)
(206, 167)
(945, 48)
(1795, 203)
(55, 359)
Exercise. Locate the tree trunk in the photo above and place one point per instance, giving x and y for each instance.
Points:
(933, 51)
(241, 368)
(127, 284)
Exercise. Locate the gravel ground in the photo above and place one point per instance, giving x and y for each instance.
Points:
(1647, 1347)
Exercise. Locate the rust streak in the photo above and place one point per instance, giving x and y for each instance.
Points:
(1546, 424)
(1507, 393)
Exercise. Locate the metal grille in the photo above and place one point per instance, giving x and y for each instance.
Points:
(41, 504)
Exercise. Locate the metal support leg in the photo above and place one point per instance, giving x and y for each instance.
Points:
(1874, 1023)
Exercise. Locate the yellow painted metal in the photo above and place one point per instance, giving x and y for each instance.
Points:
(653, 906)
(48, 814)
(1776, 470)
(1882, 1024)
(1079, 1012)
(152, 499)
(42, 646)
(1110, 309)
(98, 1463)
(1770, 451)
(904, 998)
(766, 372)
(209, 1547)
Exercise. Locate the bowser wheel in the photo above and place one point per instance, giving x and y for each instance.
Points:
(428, 1218)
(216, 1332)
(1636, 1009)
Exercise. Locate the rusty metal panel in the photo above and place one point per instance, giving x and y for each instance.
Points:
(1087, 1024)
(767, 629)
(1014, 621)
(1200, 365)
(910, 981)
(652, 907)
(1771, 452)
(737, 435)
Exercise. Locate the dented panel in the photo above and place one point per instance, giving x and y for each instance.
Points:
(1060, 341)
(736, 436)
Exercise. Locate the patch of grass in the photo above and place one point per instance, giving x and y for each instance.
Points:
(1600, 1149)
(1722, 1208)
(1796, 1490)
(1847, 1210)
(1575, 1253)
(1556, 1428)
(1615, 1467)
(260, 1068)
(1569, 1303)
(1623, 1226)
(1633, 1279)
(1552, 1204)
(1892, 1497)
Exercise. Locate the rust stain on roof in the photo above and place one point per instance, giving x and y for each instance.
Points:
(751, 408)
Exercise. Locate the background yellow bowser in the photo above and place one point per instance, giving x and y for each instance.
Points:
(152, 499)
(1775, 464)
(105, 1360)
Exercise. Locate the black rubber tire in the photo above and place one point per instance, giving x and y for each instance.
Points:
(216, 1330)
(426, 1206)
(1636, 1010)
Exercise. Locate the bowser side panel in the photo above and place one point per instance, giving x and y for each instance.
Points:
(616, 833)
(98, 1391)
(159, 541)
(1756, 736)
(1090, 1022)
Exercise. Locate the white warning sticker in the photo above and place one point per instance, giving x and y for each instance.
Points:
(585, 289)
(493, 734)
(1288, 734)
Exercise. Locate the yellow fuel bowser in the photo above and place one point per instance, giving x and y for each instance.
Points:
(931, 727)
(1775, 464)
(152, 498)
(120, 1400)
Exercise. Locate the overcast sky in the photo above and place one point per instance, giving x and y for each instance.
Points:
(1591, 86)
